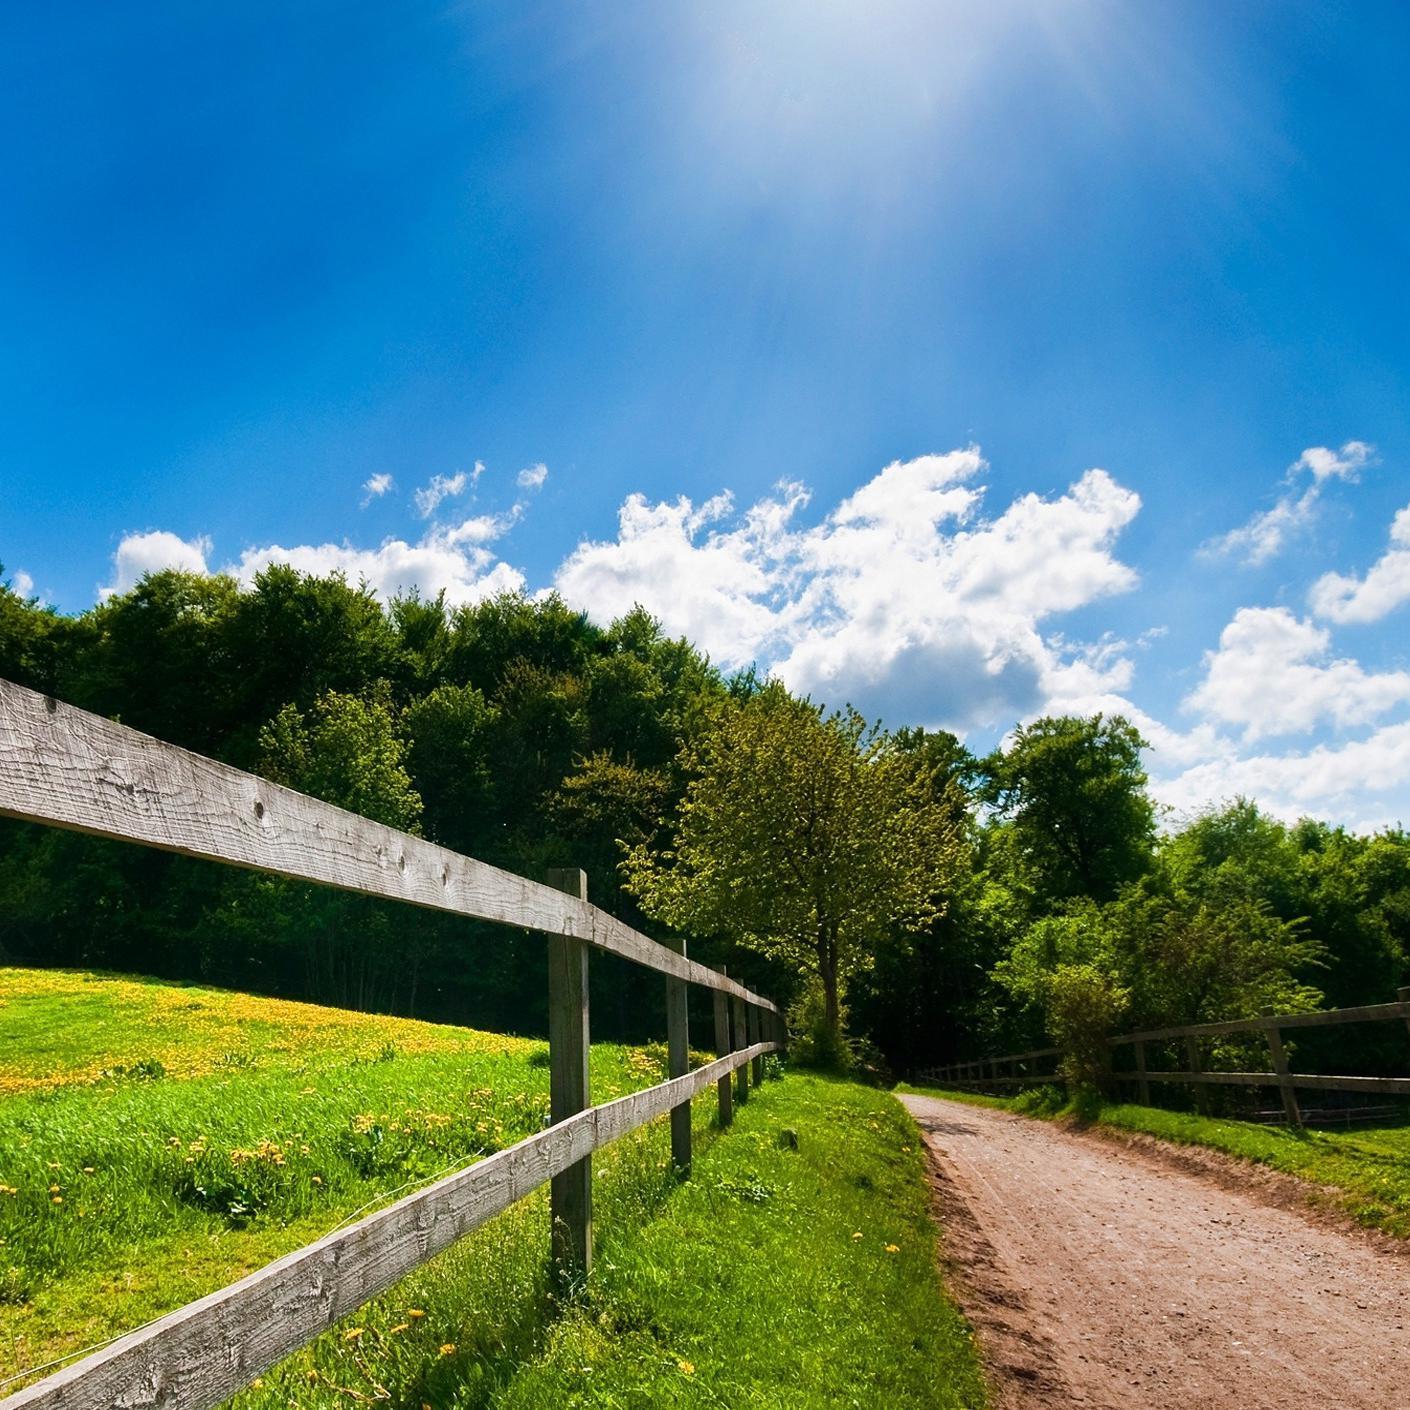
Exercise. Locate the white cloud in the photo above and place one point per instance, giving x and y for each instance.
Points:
(22, 585)
(1272, 675)
(479, 528)
(1361, 784)
(1345, 464)
(453, 559)
(375, 486)
(436, 564)
(532, 477)
(429, 497)
(140, 554)
(1265, 534)
(713, 589)
(1348, 599)
(902, 600)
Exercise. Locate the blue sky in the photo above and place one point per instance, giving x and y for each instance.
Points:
(256, 259)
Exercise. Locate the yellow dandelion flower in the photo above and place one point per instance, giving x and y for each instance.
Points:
(414, 1312)
(58, 1199)
(687, 1368)
(87, 1169)
(317, 1179)
(257, 1383)
(857, 1237)
(447, 1348)
(893, 1248)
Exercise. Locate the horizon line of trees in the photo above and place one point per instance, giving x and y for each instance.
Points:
(913, 902)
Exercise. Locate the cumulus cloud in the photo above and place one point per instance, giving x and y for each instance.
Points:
(532, 477)
(1345, 464)
(140, 554)
(453, 558)
(375, 486)
(1273, 674)
(1361, 783)
(903, 600)
(1266, 533)
(437, 564)
(1384, 588)
(429, 497)
(22, 584)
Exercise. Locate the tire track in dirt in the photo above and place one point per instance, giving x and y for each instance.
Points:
(1104, 1277)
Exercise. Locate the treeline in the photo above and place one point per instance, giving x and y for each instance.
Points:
(936, 903)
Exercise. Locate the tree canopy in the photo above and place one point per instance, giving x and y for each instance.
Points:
(804, 836)
(891, 885)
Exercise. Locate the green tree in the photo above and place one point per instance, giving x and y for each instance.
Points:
(803, 837)
(449, 752)
(32, 640)
(1074, 792)
(347, 751)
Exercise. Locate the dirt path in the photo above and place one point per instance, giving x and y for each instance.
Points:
(1098, 1276)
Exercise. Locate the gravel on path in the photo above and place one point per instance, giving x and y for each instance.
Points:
(1107, 1278)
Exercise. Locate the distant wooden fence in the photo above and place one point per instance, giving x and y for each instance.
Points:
(1017, 1070)
(71, 769)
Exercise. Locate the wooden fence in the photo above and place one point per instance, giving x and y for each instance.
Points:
(1018, 1070)
(71, 769)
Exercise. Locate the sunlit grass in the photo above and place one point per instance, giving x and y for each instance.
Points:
(775, 1277)
(73, 1027)
(126, 1194)
(158, 1168)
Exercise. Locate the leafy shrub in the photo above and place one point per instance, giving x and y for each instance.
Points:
(1083, 1004)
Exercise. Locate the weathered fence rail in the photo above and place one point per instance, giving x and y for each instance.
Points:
(67, 768)
(1023, 1069)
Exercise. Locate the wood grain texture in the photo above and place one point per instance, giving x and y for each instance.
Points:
(71, 769)
(741, 1040)
(1329, 1018)
(678, 1053)
(1142, 1080)
(1312, 1081)
(722, 1047)
(1280, 1066)
(570, 1195)
(200, 1355)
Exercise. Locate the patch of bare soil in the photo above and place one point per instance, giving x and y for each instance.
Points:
(1118, 1277)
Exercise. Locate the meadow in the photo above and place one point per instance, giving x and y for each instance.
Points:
(158, 1141)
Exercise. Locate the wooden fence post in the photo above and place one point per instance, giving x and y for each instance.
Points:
(741, 1040)
(1404, 996)
(1192, 1049)
(1280, 1066)
(570, 1198)
(678, 1051)
(725, 1086)
(1142, 1081)
(756, 1035)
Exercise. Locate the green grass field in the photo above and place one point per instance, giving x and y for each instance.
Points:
(1365, 1172)
(159, 1141)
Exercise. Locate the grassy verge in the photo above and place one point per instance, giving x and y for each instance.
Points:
(1365, 1173)
(775, 1278)
(159, 1141)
